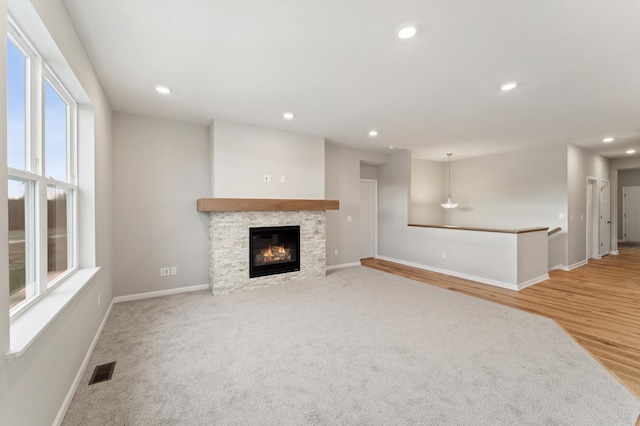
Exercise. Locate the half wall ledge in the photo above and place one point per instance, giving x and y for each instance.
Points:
(503, 231)
(263, 204)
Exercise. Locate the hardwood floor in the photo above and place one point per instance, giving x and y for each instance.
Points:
(597, 304)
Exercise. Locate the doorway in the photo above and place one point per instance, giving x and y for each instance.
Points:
(605, 218)
(631, 214)
(592, 231)
(589, 231)
(368, 218)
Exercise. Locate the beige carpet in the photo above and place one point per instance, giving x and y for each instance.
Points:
(359, 347)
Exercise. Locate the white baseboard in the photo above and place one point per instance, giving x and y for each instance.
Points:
(559, 268)
(578, 264)
(533, 281)
(482, 280)
(344, 265)
(614, 252)
(151, 294)
(83, 366)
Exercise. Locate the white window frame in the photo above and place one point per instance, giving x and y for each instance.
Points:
(37, 72)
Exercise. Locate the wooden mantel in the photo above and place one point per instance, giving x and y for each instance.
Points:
(263, 204)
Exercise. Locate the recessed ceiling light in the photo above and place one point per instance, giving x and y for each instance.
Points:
(509, 86)
(163, 89)
(392, 147)
(407, 32)
(373, 133)
(288, 115)
(631, 151)
(607, 139)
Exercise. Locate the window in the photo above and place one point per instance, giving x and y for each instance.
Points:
(41, 163)
(17, 66)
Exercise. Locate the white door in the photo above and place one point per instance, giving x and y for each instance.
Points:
(631, 213)
(605, 221)
(368, 218)
(589, 220)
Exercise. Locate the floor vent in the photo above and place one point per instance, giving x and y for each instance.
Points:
(102, 373)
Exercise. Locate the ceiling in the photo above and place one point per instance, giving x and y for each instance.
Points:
(341, 69)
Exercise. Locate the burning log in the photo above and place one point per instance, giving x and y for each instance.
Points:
(273, 254)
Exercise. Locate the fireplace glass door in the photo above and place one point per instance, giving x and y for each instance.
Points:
(274, 250)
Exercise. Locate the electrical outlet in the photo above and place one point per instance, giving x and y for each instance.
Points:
(336, 252)
(174, 270)
(444, 254)
(99, 301)
(349, 218)
(267, 179)
(282, 179)
(164, 272)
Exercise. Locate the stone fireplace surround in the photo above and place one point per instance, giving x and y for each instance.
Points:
(229, 223)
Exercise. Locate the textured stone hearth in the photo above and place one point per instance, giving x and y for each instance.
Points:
(229, 247)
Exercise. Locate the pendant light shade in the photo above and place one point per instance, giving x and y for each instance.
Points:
(449, 204)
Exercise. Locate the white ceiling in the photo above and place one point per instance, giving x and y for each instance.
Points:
(339, 66)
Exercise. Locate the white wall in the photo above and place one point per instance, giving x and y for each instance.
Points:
(38, 381)
(393, 211)
(424, 246)
(243, 154)
(368, 171)
(630, 162)
(427, 192)
(580, 165)
(163, 168)
(343, 184)
(514, 190)
(509, 191)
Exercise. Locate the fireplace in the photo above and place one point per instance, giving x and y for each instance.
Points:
(229, 223)
(273, 250)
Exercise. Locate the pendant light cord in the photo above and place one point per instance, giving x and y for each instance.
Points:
(449, 204)
(449, 155)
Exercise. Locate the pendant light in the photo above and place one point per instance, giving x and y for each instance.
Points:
(449, 204)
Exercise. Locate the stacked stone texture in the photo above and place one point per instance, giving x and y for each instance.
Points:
(229, 247)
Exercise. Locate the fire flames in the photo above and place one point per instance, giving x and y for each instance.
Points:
(273, 254)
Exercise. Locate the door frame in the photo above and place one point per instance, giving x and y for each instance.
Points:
(374, 182)
(601, 183)
(593, 228)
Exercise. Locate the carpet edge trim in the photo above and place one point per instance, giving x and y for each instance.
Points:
(343, 265)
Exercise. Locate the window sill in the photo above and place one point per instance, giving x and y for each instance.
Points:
(27, 326)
